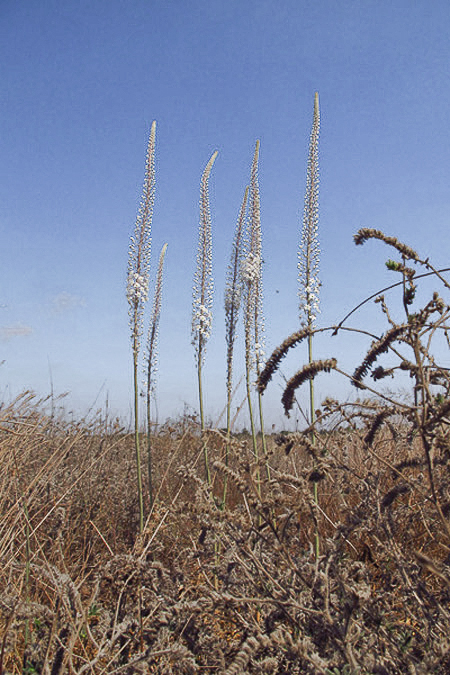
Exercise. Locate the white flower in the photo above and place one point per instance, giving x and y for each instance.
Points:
(309, 249)
(259, 354)
(202, 321)
(250, 269)
(203, 288)
(137, 287)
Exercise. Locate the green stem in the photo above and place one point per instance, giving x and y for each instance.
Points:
(136, 443)
(252, 425)
(263, 435)
(149, 444)
(202, 417)
(227, 447)
(313, 438)
(27, 567)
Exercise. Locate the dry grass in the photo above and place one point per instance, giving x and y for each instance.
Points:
(205, 589)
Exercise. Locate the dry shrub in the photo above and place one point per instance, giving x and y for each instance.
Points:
(207, 589)
(240, 587)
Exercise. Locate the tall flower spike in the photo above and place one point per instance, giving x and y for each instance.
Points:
(137, 290)
(251, 272)
(253, 315)
(233, 296)
(202, 295)
(308, 270)
(152, 359)
(309, 250)
(256, 250)
(153, 331)
(233, 290)
(203, 288)
(140, 247)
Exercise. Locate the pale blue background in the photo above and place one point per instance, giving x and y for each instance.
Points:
(81, 82)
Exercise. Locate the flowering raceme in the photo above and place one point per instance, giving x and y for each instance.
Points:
(203, 287)
(140, 248)
(137, 287)
(201, 320)
(309, 249)
(250, 269)
(202, 294)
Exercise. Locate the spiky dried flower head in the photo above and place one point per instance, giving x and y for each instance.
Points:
(366, 233)
(278, 354)
(251, 274)
(378, 347)
(153, 331)
(203, 287)
(376, 421)
(140, 248)
(396, 266)
(308, 372)
(309, 249)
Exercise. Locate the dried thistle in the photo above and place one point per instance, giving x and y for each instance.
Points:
(308, 372)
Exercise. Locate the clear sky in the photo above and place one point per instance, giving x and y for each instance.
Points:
(82, 81)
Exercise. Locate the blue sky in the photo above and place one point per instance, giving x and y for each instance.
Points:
(82, 82)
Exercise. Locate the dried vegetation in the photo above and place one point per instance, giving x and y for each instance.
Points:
(246, 569)
(226, 590)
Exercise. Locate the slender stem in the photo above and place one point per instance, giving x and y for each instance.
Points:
(227, 447)
(136, 443)
(311, 391)
(202, 415)
(313, 438)
(253, 428)
(27, 567)
(149, 443)
(263, 435)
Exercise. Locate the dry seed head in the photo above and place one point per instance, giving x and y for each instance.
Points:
(277, 355)
(392, 495)
(375, 423)
(378, 347)
(203, 287)
(308, 372)
(309, 250)
(140, 248)
(366, 233)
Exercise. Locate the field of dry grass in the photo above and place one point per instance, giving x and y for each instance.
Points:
(325, 551)
(213, 589)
